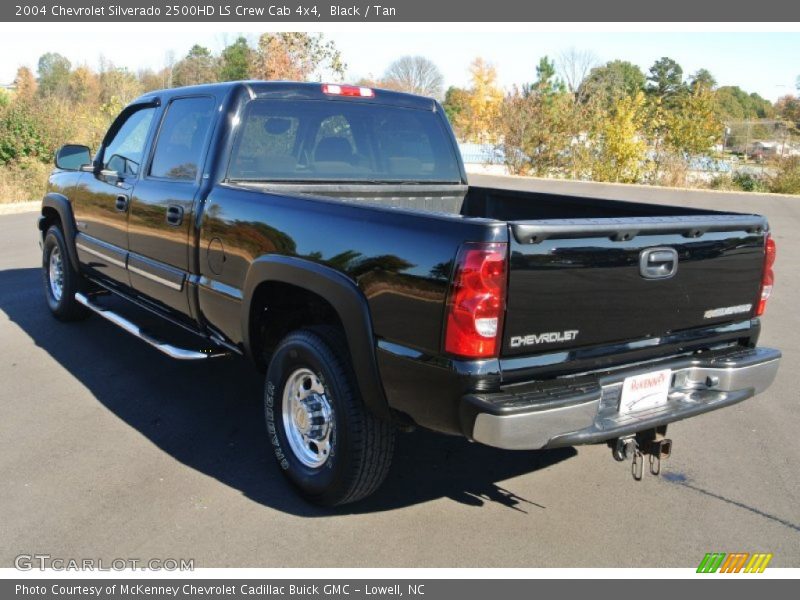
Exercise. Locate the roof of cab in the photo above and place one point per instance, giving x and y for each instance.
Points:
(289, 90)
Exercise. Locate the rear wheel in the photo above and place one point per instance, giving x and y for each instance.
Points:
(61, 281)
(326, 442)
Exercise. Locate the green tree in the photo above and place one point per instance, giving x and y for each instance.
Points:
(21, 134)
(665, 79)
(456, 102)
(546, 80)
(235, 61)
(613, 81)
(53, 69)
(702, 78)
(198, 66)
(733, 103)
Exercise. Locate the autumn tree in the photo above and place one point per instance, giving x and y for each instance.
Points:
(198, 66)
(483, 103)
(118, 86)
(415, 75)
(622, 149)
(154, 80)
(296, 56)
(539, 125)
(236, 61)
(25, 84)
(786, 107)
(83, 86)
(53, 69)
(693, 127)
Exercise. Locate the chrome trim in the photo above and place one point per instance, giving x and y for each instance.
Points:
(528, 431)
(216, 286)
(703, 386)
(308, 418)
(55, 274)
(98, 254)
(132, 328)
(156, 278)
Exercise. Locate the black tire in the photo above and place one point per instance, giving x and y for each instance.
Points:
(361, 445)
(64, 306)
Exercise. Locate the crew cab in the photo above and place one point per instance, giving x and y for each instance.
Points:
(328, 233)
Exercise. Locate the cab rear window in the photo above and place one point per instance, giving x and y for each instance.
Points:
(339, 141)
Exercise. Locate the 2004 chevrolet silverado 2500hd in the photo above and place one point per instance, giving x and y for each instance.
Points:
(328, 233)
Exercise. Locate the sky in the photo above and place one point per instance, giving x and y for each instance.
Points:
(762, 62)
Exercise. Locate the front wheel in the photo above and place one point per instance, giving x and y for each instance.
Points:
(326, 442)
(61, 281)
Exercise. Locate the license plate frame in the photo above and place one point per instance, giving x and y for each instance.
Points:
(645, 391)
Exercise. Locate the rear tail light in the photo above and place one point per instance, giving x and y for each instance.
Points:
(334, 89)
(476, 302)
(768, 277)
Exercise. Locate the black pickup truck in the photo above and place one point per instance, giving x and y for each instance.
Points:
(328, 233)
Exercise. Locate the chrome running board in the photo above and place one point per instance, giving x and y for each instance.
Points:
(132, 328)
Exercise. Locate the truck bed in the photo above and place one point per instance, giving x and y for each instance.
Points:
(575, 274)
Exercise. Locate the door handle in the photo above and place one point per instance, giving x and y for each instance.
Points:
(121, 203)
(174, 214)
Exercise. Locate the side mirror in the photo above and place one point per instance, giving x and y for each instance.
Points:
(72, 157)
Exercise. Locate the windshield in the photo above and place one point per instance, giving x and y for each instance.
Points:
(337, 141)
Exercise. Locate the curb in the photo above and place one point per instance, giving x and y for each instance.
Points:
(15, 208)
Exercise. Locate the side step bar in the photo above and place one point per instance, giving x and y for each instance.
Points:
(132, 328)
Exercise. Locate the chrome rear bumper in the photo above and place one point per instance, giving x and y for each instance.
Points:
(585, 410)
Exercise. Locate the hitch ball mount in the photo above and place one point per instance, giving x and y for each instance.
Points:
(634, 447)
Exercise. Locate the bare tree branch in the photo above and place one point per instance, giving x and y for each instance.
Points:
(416, 75)
(573, 66)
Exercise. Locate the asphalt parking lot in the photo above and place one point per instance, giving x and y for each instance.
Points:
(111, 450)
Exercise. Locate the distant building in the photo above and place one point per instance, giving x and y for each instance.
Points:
(760, 149)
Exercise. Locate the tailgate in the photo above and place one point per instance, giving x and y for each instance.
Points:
(582, 282)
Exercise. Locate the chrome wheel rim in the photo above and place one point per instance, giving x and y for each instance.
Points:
(307, 418)
(56, 274)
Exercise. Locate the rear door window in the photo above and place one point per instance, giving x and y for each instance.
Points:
(181, 140)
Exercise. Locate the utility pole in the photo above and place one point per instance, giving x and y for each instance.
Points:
(747, 139)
